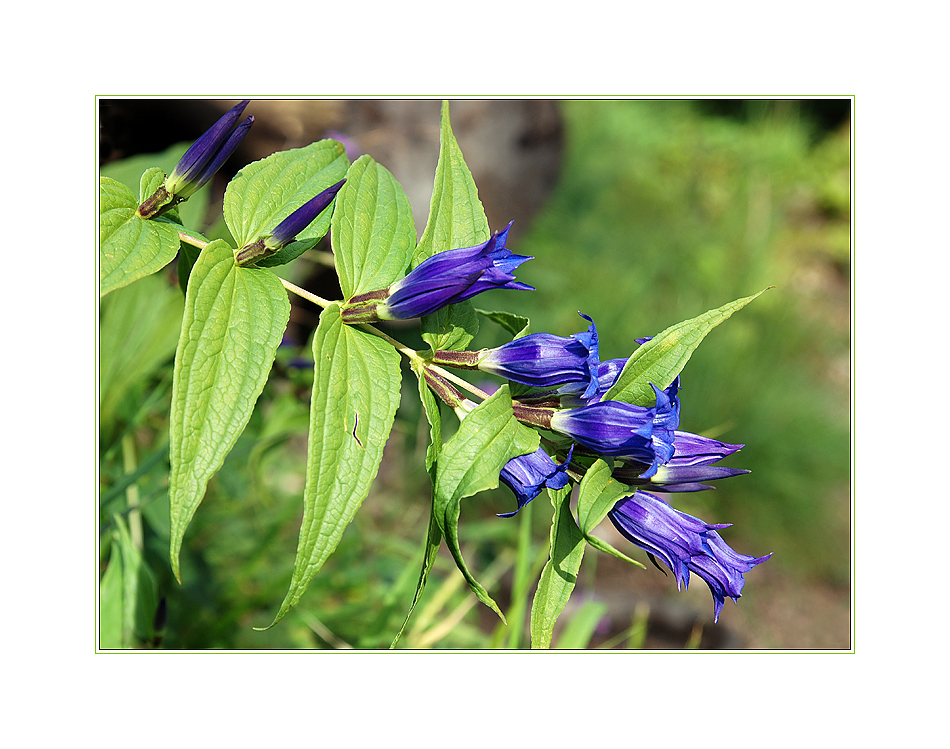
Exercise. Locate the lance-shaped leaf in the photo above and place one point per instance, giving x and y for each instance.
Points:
(356, 388)
(559, 575)
(470, 462)
(661, 359)
(130, 247)
(373, 232)
(266, 192)
(233, 322)
(456, 219)
(597, 494)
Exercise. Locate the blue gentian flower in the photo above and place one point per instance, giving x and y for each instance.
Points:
(609, 428)
(622, 430)
(685, 544)
(527, 474)
(544, 360)
(208, 154)
(445, 278)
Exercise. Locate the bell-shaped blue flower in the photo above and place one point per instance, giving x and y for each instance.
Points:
(208, 154)
(609, 428)
(527, 474)
(685, 544)
(623, 430)
(545, 360)
(445, 278)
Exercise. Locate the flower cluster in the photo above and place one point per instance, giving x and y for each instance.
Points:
(564, 384)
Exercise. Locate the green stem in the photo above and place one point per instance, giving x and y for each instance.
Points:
(409, 353)
(132, 492)
(304, 294)
(191, 239)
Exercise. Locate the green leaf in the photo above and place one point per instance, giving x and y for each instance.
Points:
(559, 575)
(356, 389)
(596, 496)
(130, 247)
(138, 331)
(661, 359)
(128, 594)
(266, 192)
(233, 322)
(128, 171)
(373, 232)
(470, 462)
(518, 325)
(456, 219)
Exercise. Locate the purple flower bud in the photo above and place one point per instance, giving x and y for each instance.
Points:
(685, 544)
(543, 360)
(208, 154)
(445, 278)
(527, 474)
(693, 450)
(288, 229)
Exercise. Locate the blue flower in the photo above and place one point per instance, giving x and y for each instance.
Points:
(527, 474)
(690, 464)
(609, 428)
(445, 278)
(208, 154)
(685, 544)
(544, 360)
(622, 430)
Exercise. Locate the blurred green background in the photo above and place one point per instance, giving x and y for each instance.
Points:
(659, 211)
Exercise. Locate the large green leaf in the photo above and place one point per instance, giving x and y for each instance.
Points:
(233, 322)
(559, 575)
(470, 462)
(373, 233)
(661, 359)
(356, 388)
(130, 247)
(266, 192)
(456, 219)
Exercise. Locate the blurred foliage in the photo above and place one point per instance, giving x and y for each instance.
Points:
(664, 209)
(662, 212)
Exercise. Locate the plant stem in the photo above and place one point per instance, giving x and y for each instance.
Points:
(194, 241)
(304, 294)
(404, 350)
(132, 492)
